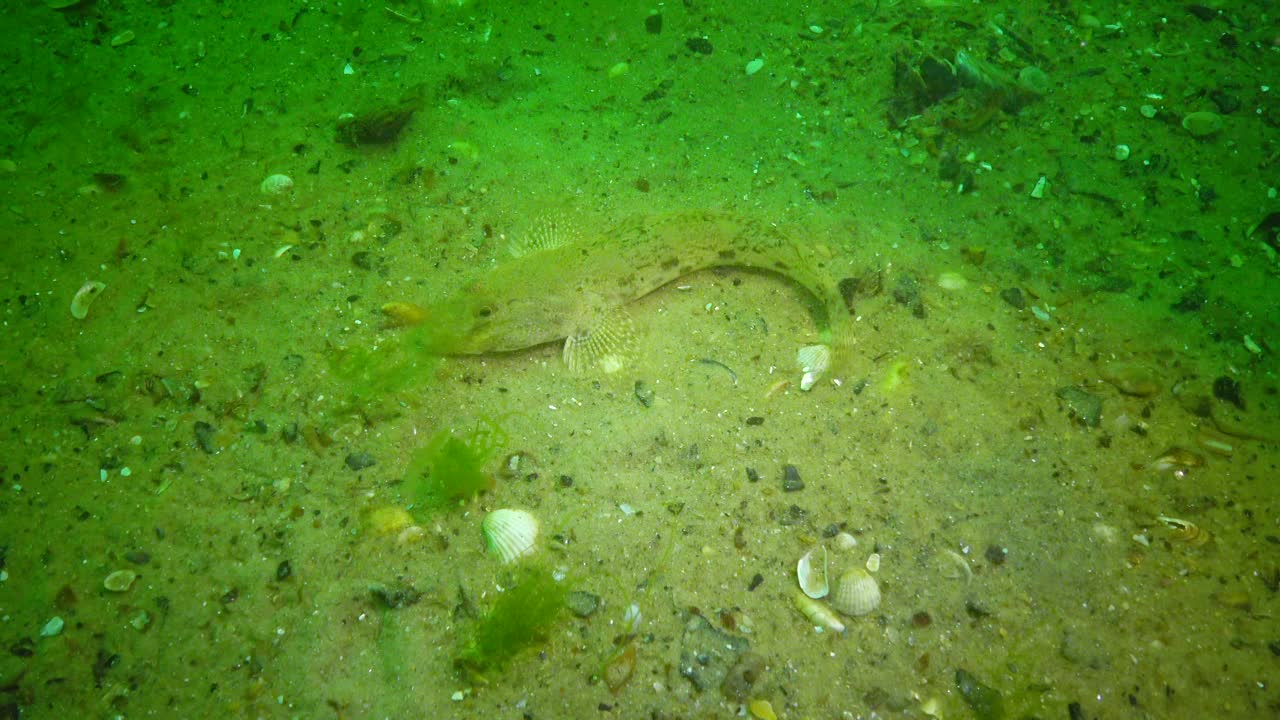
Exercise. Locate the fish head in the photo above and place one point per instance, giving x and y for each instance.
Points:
(479, 319)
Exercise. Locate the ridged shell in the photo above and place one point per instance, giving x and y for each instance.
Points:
(509, 534)
(276, 184)
(811, 571)
(856, 593)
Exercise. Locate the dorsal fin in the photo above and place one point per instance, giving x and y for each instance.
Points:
(547, 232)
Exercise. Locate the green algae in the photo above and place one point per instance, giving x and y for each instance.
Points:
(520, 617)
(450, 468)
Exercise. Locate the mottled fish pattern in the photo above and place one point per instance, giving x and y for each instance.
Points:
(572, 290)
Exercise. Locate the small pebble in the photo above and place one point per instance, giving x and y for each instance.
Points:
(644, 394)
(582, 603)
(699, 45)
(284, 570)
(791, 481)
(360, 460)
(138, 557)
(752, 475)
(996, 555)
(206, 437)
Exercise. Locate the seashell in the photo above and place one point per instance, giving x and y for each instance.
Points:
(510, 534)
(813, 361)
(1202, 124)
(276, 184)
(845, 541)
(818, 613)
(1176, 460)
(1186, 531)
(1130, 379)
(84, 297)
(856, 593)
(120, 580)
(873, 562)
(812, 574)
(952, 280)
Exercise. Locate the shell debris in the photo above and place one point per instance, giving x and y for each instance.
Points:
(84, 297)
(817, 613)
(811, 571)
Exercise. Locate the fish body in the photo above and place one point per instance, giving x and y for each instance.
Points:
(575, 290)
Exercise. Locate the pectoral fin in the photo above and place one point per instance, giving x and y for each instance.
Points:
(607, 346)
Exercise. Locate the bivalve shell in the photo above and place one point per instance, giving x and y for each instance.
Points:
(510, 534)
(276, 184)
(811, 571)
(856, 593)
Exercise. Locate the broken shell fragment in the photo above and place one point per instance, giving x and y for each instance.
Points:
(1177, 461)
(120, 580)
(509, 534)
(811, 571)
(817, 613)
(85, 297)
(873, 562)
(1134, 380)
(856, 593)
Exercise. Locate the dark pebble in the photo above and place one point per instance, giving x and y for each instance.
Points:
(757, 579)
(362, 260)
(755, 420)
(752, 475)
(976, 611)
(284, 570)
(996, 554)
(360, 460)
(921, 619)
(138, 557)
(1227, 389)
(401, 596)
(791, 481)
(566, 481)
(1192, 300)
(289, 433)
(1202, 12)
(582, 603)
(644, 394)
(205, 437)
(699, 45)
(1014, 297)
(1225, 102)
(1273, 646)
(793, 515)
(653, 24)
(831, 530)
(1075, 711)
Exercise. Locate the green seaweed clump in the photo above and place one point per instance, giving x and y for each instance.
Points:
(520, 618)
(371, 377)
(450, 468)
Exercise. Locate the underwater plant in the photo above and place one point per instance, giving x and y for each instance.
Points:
(371, 377)
(450, 468)
(520, 617)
